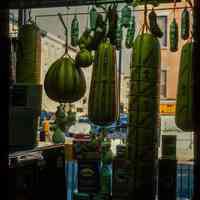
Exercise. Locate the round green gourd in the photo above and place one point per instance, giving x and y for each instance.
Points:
(64, 82)
(173, 36)
(185, 24)
(103, 105)
(83, 58)
(183, 117)
(75, 31)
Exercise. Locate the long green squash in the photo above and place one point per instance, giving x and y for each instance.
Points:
(183, 117)
(28, 66)
(173, 36)
(144, 113)
(103, 105)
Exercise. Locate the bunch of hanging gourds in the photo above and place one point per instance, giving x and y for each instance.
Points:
(101, 37)
(185, 28)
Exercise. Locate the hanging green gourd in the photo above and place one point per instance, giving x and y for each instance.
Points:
(119, 35)
(93, 18)
(28, 65)
(125, 16)
(86, 39)
(103, 104)
(112, 20)
(64, 82)
(130, 34)
(75, 31)
(173, 32)
(99, 33)
(183, 117)
(185, 24)
(84, 57)
(173, 36)
(153, 25)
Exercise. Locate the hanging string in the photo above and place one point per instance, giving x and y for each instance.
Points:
(174, 8)
(29, 16)
(145, 25)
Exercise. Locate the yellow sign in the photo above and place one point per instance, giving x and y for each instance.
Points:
(167, 109)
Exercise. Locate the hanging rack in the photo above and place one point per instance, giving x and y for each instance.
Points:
(135, 11)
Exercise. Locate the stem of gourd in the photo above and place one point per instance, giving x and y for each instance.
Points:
(66, 32)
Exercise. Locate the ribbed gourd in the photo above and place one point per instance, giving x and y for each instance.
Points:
(173, 36)
(153, 25)
(185, 24)
(130, 34)
(103, 105)
(64, 82)
(119, 35)
(93, 18)
(183, 117)
(143, 112)
(28, 65)
(125, 16)
(75, 31)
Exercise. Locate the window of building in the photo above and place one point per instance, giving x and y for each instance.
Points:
(162, 22)
(163, 84)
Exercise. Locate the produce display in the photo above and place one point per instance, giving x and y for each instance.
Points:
(103, 105)
(183, 117)
(153, 25)
(28, 66)
(185, 24)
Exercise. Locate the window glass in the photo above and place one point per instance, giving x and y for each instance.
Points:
(163, 84)
(162, 22)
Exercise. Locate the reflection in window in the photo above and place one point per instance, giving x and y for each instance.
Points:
(163, 84)
(162, 22)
